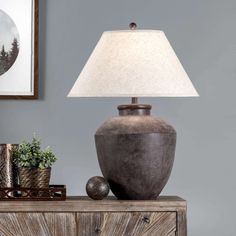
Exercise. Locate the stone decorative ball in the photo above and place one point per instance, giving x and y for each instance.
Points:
(97, 188)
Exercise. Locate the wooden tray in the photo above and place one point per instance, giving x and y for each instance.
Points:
(53, 193)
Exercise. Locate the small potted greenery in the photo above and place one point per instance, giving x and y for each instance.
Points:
(34, 164)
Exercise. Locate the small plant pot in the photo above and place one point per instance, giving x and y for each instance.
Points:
(34, 177)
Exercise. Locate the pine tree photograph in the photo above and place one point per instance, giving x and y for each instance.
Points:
(9, 42)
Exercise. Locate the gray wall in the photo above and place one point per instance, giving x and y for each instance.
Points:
(203, 35)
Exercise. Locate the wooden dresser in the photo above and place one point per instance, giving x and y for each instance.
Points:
(79, 216)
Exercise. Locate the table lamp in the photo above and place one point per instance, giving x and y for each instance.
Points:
(135, 150)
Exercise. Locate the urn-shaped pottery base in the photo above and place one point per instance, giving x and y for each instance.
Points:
(136, 152)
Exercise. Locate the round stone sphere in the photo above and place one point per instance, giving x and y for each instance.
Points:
(97, 188)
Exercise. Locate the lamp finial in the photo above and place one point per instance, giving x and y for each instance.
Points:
(132, 25)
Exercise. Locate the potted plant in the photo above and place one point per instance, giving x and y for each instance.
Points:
(34, 164)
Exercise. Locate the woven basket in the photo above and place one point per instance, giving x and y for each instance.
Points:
(34, 177)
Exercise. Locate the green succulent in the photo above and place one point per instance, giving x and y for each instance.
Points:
(30, 155)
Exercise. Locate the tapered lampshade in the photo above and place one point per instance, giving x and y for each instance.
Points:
(133, 63)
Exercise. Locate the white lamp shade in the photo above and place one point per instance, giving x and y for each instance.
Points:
(133, 63)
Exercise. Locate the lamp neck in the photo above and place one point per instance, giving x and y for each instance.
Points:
(134, 100)
(135, 110)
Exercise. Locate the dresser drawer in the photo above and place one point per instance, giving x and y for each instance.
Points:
(38, 224)
(127, 224)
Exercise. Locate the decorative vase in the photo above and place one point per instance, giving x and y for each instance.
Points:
(8, 171)
(34, 177)
(136, 152)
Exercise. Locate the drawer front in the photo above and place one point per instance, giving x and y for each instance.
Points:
(127, 224)
(88, 224)
(37, 224)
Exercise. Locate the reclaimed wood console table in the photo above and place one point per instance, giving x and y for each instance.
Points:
(80, 216)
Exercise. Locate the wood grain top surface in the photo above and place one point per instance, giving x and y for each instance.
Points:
(85, 204)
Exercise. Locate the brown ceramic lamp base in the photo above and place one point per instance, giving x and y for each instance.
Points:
(136, 152)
